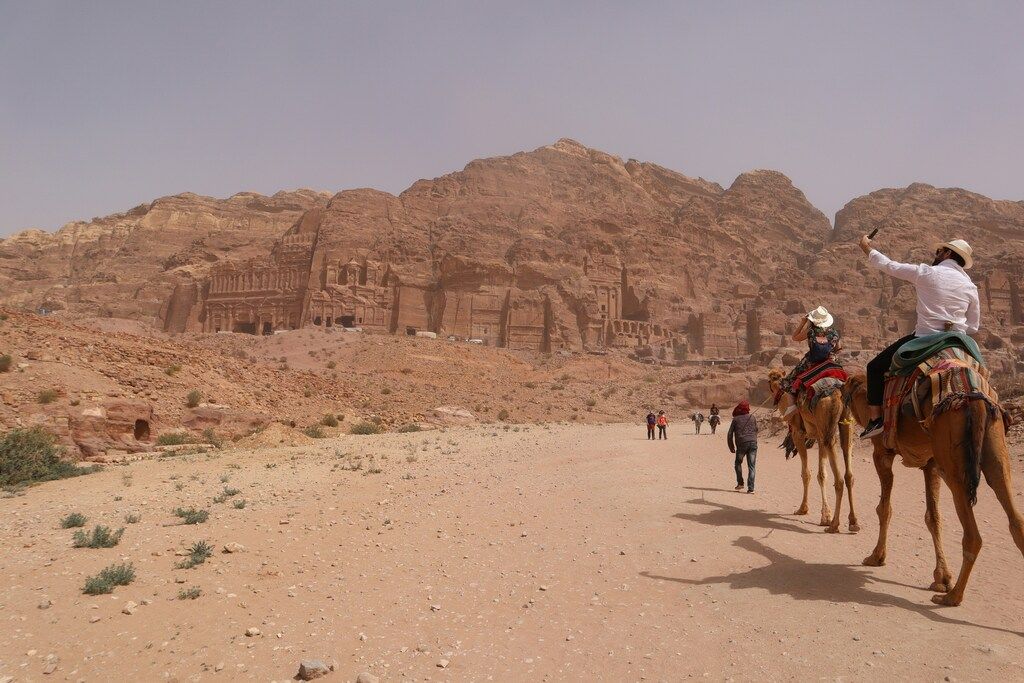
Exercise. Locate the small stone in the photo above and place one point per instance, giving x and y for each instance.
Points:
(219, 666)
(129, 608)
(443, 663)
(425, 649)
(179, 579)
(366, 677)
(543, 588)
(45, 604)
(234, 547)
(310, 669)
(435, 608)
(252, 631)
(94, 618)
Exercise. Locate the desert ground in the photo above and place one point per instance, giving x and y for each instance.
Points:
(544, 552)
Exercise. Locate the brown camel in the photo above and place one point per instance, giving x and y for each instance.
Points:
(961, 445)
(829, 417)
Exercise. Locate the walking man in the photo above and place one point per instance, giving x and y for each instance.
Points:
(742, 440)
(651, 420)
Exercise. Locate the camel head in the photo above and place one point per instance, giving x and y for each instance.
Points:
(774, 375)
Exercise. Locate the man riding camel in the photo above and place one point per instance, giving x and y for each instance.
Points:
(947, 300)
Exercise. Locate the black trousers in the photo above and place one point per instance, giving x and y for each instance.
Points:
(878, 366)
(662, 434)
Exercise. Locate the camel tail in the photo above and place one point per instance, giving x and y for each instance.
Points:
(977, 427)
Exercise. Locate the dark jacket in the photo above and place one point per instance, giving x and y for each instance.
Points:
(742, 432)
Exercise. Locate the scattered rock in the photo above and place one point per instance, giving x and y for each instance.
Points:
(310, 669)
(129, 608)
(233, 547)
(367, 677)
(252, 632)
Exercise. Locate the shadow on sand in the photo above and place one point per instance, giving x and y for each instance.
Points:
(721, 514)
(800, 580)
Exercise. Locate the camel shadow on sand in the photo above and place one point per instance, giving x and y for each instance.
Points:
(721, 514)
(817, 581)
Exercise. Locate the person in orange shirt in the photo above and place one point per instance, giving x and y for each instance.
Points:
(662, 425)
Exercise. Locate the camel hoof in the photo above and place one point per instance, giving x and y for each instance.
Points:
(832, 530)
(947, 600)
(825, 521)
(854, 528)
(873, 561)
(802, 510)
(940, 586)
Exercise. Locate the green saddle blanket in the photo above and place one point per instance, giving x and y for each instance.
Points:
(920, 349)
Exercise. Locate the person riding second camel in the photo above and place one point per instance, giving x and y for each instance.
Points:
(947, 300)
(823, 344)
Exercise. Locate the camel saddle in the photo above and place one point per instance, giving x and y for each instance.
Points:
(946, 380)
(819, 381)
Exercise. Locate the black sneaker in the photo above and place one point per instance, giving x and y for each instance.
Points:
(874, 428)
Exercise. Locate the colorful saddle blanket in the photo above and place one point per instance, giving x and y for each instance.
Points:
(819, 381)
(947, 380)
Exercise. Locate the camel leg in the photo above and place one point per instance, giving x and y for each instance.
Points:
(846, 443)
(837, 484)
(971, 540)
(996, 467)
(932, 486)
(883, 466)
(805, 472)
(826, 513)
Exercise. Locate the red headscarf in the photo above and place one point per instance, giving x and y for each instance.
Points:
(742, 408)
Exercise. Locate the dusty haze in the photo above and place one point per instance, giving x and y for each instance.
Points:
(108, 106)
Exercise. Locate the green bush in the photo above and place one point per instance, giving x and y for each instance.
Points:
(101, 537)
(210, 437)
(172, 370)
(503, 415)
(75, 519)
(192, 515)
(329, 421)
(6, 361)
(132, 518)
(48, 396)
(173, 439)
(365, 427)
(314, 432)
(411, 427)
(108, 578)
(190, 593)
(193, 398)
(197, 554)
(29, 455)
(239, 504)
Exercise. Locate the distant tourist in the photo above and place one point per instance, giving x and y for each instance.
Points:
(698, 420)
(823, 344)
(742, 440)
(713, 419)
(651, 421)
(662, 425)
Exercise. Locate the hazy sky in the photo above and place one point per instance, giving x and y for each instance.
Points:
(105, 105)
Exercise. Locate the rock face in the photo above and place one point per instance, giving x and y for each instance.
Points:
(561, 248)
(564, 247)
(127, 265)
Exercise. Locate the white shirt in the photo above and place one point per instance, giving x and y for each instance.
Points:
(945, 293)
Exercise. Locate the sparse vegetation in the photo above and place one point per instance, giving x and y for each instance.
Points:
(314, 432)
(365, 427)
(210, 437)
(172, 370)
(173, 439)
(411, 427)
(29, 456)
(108, 578)
(75, 519)
(329, 421)
(228, 491)
(190, 593)
(193, 399)
(192, 515)
(48, 396)
(101, 537)
(530, 385)
(591, 402)
(331, 365)
(132, 518)
(406, 371)
(6, 361)
(503, 414)
(239, 504)
(197, 554)
(386, 390)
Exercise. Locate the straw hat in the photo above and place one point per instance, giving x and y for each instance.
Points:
(820, 317)
(959, 247)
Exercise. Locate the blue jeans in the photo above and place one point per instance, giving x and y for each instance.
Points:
(750, 453)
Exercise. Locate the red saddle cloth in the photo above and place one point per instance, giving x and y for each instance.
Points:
(808, 377)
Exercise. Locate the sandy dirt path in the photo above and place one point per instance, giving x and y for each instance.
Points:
(547, 553)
